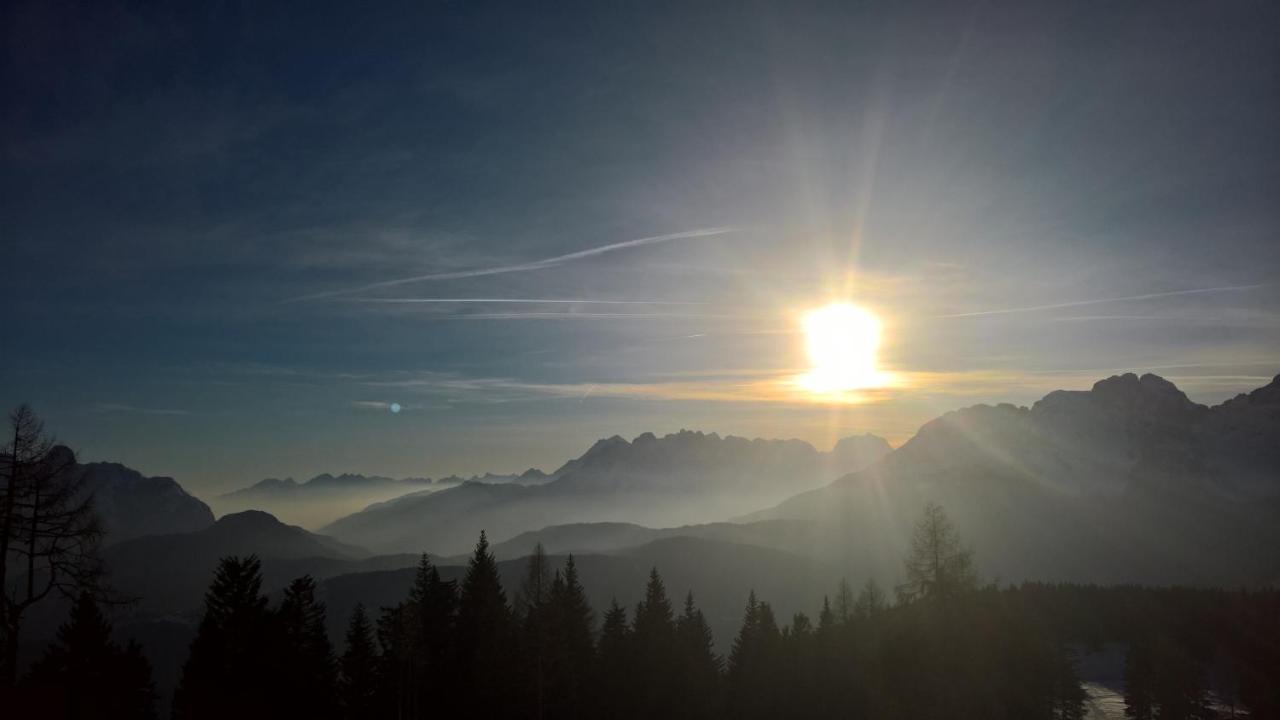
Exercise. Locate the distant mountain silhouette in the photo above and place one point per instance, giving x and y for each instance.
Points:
(1129, 481)
(325, 497)
(168, 572)
(685, 477)
(131, 505)
(583, 538)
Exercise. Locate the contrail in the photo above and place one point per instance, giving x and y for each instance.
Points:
(523, 267)
(529, 301)
(1079, 303)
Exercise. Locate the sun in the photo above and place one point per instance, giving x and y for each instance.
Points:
(842, 341)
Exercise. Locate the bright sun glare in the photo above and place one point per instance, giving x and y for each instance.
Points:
(842, 341)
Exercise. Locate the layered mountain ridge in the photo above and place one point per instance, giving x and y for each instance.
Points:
(681, 478)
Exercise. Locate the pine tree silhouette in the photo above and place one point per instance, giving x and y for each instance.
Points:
(699, 677)
(432, 604)
(306, 668)
(93, 676)
(358, 687)
(653, 641)
(229, 672)
(485, 636)
(614, 682)
(571, 648)
(753, 663)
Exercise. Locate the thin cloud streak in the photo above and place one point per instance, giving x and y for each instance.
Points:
(1100, 301)
(522, 267)
(581, 316)
(525, 301)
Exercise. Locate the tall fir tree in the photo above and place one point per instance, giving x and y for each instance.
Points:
(485, 637)
(653, 640)
(700, 666)
(229, 672)
(753, 663)
(870, 602)
(531, 610)
(306, 667)
(614, 685)
(396, 631)
(844, 605)
(358, 685)
(92, 675)
(432, 605)
(571, 644)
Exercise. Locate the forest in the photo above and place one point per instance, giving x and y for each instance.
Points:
(943, 646)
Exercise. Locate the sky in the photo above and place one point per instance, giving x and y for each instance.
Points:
(233, 236)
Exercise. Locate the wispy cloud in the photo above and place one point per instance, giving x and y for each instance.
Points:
(1101, 301)
(518, 301)
(522, 267)
(583, 316)
(123, 408)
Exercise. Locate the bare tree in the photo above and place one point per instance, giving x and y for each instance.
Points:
(938, 566)
(49, 533)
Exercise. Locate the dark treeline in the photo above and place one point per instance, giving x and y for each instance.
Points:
(944, 647)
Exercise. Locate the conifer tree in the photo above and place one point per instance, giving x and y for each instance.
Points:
(358, 687)
(532, 614)
(653, 641)
(870, 601)
(844, 603)
(700, 665)
(571, 646)
(430, 608)
(484, 637)
(95, 677)
(614, 683)
(229, 672)
(826, 617)
(396, 632)
(752, 662)
(306, 668)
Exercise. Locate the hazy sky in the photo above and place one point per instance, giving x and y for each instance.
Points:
(202, 216)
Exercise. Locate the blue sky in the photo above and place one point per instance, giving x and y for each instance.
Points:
(202, 210)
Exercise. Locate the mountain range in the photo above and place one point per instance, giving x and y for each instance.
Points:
(681, 478)
(1129, 481)
(130, 504)
(325, 497)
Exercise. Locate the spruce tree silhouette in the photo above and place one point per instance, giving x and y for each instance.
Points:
(358, 686)
(432, 603)
(532, 615)
(614, 669)
(653, 640)
(752, 668)
(306, 669)
(92, 676)
(485, 636)
(870, 602)
(229, 672)
(571, 648)
(698, 694)
(396, 631)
